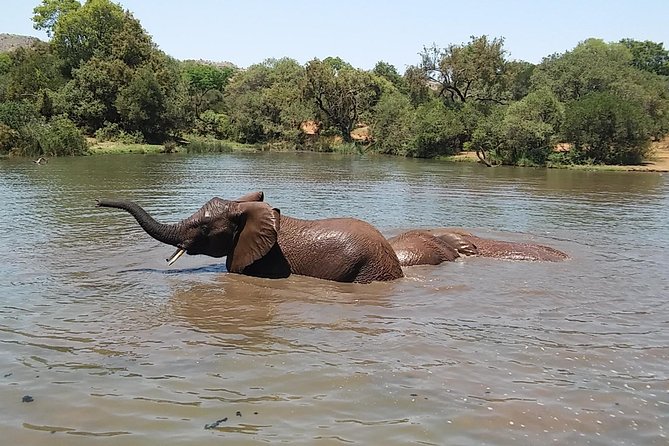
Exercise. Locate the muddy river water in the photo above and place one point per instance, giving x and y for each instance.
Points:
(114, 347)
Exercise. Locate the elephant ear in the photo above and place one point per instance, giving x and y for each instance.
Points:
(252, 196)
(259, 229)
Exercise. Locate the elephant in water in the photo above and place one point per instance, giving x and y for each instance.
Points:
(259, 241)
(434, 246)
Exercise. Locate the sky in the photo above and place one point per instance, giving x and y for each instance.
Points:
(362, 32)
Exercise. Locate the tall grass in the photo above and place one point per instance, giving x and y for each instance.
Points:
(208, 145)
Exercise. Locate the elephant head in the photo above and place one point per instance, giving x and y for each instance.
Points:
(244, 230)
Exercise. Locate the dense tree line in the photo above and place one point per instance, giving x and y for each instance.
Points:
(102, 75)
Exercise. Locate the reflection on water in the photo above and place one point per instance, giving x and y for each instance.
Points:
(111, 343)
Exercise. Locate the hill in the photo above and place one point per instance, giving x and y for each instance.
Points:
(9, 42)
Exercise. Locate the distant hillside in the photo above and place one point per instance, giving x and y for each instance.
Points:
(9, 42)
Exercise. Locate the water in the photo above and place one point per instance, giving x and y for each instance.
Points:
(116, 347)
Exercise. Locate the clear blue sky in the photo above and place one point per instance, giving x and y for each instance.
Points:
(363, 32)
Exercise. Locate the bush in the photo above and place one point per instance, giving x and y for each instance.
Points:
(58, 137)
(8, 138)
(606, 129)
(210, 123)
(207, 145)
(16, 114)
(392, 126)
(523, 132)
(439, 131)
(111, 131)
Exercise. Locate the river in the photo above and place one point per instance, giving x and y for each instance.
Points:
(114, 347)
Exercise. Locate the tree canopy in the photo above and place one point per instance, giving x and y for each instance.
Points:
(102, 75)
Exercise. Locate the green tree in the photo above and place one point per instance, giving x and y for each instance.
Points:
(90, 97)
(529, 127)
(30, 71)
(604, 128)
(393, 124)
(206, 84)
(102, 29)
(49, 11)
(265, 102)
(648, 56)
(390, 73)
(439, 130)
(593, 66)
(519, 75)
(57, 137)
(141, 104)
(340, 92)
(154, 100)
(417, 89)
(471, 71)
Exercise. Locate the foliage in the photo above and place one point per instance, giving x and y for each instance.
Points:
(31, 70)
(340, 92)
(648, 56)
(5, 63)
(523, 132)
(16, 114)
(58, 137)
(49, 11)
(212, 124)
(202, 76)
(265, 102)
(390, 73)
(439, 130)
(529, 127)
(111, 131)
(593, 66)
(606, 129)
(206, 84)
(488, 137)
(392, 125)
(90, 97)
(141, 104)
(416, 87)
(102, 75)
(207, 145)
(519, 75)
(471, 71)
(8, 138)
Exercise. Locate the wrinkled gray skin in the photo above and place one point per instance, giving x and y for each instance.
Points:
(259, 241)
(434, 246)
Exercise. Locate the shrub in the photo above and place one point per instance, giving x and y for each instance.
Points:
(604, 128)
(57, 137)
(207, 145)
(16, 114)
(111, 131)
(210, 123)
(439, 130)
(392, 126)
(8, 138)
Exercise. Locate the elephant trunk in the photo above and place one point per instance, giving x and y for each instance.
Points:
(169, 234)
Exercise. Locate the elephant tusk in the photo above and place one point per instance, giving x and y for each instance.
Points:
(174, 257)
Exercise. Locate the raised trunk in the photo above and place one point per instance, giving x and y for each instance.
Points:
(170, 234)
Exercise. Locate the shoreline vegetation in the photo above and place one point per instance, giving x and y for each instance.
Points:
(658, 160)
(101, 85)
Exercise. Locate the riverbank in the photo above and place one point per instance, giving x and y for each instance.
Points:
(657, 162)
(195, 145)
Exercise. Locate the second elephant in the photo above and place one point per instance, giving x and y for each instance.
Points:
(434, 246)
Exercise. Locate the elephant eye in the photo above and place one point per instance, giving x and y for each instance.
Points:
(204, 229)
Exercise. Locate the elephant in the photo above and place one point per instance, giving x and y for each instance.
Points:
(259, 241)
(434, 246)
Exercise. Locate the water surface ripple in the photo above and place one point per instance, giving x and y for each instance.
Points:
(115, 346)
